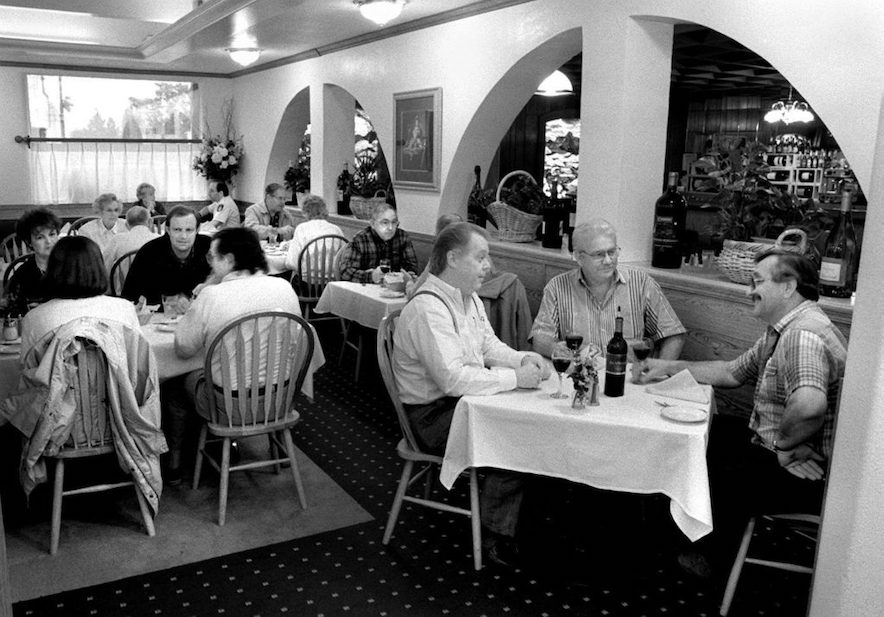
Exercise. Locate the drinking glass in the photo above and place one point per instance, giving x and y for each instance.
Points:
(561, 359)
(384, 265)
(641, 349)
(574, 340)
(272, 237)
(170, 306)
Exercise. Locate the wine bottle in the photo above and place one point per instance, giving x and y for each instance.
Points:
(476, 203)
(615, 360)
(344, 191)
(670, 213)
(840, 256)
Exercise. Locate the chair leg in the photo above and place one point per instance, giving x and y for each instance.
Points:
(296, 473)
(57, 496)
(397, 501)
(274, 451)
(145, 512)
(359, 340)
(428, 482)
(225, 477)
(734, 577)
(198, 464)
(346, 338)
(475, 519)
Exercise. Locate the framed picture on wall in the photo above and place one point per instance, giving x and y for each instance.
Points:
(418, 122)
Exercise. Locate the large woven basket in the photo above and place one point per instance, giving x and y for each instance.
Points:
(362, 207)
(512, 224)
(737, 259)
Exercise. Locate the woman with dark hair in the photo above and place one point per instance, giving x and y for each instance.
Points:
(75, 285)
(38, 228)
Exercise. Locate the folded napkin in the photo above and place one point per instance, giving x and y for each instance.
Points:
(681, 386)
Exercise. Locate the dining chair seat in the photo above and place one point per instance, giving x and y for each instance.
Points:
(409, 451)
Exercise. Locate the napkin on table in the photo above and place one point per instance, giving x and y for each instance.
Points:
(682, 386)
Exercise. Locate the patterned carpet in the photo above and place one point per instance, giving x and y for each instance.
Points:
(586, 552)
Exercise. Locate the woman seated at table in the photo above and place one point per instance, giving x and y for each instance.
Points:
(108, 224)
(316, 225)
(75, 285)
(38, 229)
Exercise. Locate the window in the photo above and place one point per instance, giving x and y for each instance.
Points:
(561, 159)
(94, 135)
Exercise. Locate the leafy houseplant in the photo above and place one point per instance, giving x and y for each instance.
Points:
(297, 176)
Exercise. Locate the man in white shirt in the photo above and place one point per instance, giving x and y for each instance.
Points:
(224, 211)
(137, 221)
(108, 224)
(269, 217)
(444, 348)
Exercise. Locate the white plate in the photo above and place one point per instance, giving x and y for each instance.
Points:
(387, 293)
(165, 327)
(9, 350)
(684, 414)
(162, 320)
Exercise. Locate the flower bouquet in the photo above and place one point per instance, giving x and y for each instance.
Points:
(219, 158)
(586, 383)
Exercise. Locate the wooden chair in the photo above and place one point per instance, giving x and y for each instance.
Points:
(118, 272)
(17, 263)
(11, 248)
(74, 229)
(264, 358)
(806, 525)
(315, 269)
(157, 224)
(410, 452)
(91, 436)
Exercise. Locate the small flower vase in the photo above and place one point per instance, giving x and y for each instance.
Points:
(579, 399)
(594, 394)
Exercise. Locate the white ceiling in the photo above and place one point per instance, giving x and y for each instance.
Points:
(176, 36)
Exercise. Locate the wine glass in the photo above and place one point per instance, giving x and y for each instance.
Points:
(384, 265)
(573, 341)
(561, 359)
(641, 349)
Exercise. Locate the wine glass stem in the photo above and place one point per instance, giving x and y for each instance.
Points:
(560, 383)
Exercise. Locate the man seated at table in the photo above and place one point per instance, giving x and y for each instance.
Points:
(223, 210)
(382, 239)
(445, 348)
(585, 300)
(145, 196)
(797, 366)
(108, 224)
(269, 217)
(174, 263)
(316, 225)
(137, 222)
(238, 286)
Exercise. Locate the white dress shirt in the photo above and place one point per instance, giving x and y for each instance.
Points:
(101, 235)
(432, 359)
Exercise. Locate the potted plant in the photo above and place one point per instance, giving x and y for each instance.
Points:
(297, 176)
(366, 188)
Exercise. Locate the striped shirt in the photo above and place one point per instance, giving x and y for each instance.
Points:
(568, 306)
(810, 351)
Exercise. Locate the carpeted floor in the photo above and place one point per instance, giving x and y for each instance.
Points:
(586, 552)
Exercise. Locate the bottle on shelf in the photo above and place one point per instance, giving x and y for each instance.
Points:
(344, 190)
(615, 360)
(840, 256)
(670, 214)
(553, 218)
(476, 206)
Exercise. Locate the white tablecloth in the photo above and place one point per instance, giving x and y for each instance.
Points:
(623, 445)
(10, 371)
(363, 304)
(170, 365)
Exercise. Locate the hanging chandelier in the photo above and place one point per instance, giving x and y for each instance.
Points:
(380, 11)
(788, 112)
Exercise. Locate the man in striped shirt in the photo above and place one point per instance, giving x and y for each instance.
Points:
(585, 300)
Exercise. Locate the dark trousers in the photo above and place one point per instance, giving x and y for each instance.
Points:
(500, 493)
(747, 480)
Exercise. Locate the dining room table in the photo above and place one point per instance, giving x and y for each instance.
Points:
(629, 443)
(364, 303)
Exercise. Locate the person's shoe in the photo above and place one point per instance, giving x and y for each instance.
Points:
(696, 565)
(503, 551)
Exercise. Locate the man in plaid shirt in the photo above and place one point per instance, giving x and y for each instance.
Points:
(382, 239)
(797, 366)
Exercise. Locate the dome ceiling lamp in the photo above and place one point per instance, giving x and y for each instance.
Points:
(789, 112)
(557, 84)
(380, 11)
(244, 56)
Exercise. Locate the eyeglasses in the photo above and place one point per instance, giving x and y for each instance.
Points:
(388, 223)
(599, 255)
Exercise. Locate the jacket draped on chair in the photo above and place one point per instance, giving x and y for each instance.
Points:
(506, 304)
(44, 407)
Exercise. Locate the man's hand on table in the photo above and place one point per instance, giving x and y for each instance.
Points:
(802, 461)
(537, 360)
(653, 370)
(528, 375)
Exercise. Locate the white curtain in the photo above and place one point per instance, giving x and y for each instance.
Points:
(64, 172)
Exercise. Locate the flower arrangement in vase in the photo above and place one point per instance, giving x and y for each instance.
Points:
(586, 383)
(219, 157)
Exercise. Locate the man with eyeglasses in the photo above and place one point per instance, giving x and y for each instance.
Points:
(381, 240)
(778, 462)
(584, 301)
(269, 217)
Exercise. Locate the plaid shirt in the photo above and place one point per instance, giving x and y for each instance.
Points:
(802, 349)
(366, 249)
(567, 306)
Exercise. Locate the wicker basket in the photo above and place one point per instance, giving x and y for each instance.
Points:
(512, 224)
(362, 207)
(737, 259)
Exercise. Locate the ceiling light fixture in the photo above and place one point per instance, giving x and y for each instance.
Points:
(380, 11)
(788, 112)
(244, 56)
(557, 84)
